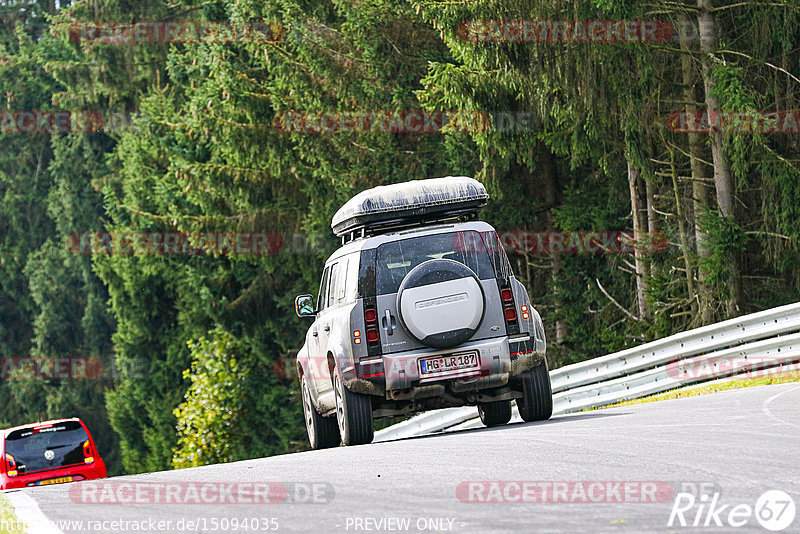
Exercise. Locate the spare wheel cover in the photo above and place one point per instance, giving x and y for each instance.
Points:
(441, 303)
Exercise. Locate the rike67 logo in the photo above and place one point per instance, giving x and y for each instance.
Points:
(774, 510)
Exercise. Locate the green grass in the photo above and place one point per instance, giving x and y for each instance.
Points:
(8, 519)
(777, 378)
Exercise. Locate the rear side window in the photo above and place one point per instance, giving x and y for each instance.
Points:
(397, 258)
(351, 283)
(341, 285)
(41, 449)
(333, 285)
(323, 290)
(498, 255)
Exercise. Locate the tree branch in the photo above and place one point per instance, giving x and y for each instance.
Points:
(614, 302)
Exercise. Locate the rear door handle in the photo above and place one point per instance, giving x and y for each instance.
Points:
(389, 323)
(327, 328)
(315, 333)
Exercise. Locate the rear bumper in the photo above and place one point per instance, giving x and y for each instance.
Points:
(78, 473)
(499, 358)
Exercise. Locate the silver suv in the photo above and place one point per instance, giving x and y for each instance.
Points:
(418, 310)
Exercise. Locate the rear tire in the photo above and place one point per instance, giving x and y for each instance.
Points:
(353, 413)
(536, 403)
(323, 432)
(495, 413)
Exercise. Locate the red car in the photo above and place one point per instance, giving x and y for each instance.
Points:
(51, 452)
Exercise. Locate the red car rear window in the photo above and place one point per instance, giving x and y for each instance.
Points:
(45, 447)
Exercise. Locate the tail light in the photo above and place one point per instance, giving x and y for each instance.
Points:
(87, 452)
(509, 310)
(371, 365)
(11, 466)
(371, 323)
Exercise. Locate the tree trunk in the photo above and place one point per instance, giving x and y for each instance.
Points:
(702, 302)
(652, 225)
(551, 197)
(650, 194)
(707, 27)
(687, 255)
(635, 185)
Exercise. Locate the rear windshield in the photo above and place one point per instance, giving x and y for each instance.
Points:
(397, 258)
(40, 449)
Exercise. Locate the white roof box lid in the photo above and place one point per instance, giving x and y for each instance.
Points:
(418, 201)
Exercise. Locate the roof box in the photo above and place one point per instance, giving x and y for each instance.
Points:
(389, 207)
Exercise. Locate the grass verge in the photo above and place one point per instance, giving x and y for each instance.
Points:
(777, 378)
(8, 521)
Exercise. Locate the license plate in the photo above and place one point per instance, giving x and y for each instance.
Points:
(60, 480)
(445, 364)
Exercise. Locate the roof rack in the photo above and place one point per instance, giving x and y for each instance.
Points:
(416, 203)
(395, 225)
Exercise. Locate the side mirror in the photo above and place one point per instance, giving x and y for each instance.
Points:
(304, 306)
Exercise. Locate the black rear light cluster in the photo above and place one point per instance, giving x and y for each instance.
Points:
(371, 322)
(509, 310)
(370, 367)
(367, 291)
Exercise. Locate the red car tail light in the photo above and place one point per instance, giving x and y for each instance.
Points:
(11, 466)
(507, 295)
(511, 315)
(371, 315)
(87, 452)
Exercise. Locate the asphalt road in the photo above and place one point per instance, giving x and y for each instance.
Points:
(736, 444)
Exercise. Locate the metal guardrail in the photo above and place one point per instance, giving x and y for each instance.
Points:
(755, 342)
(560, 406)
